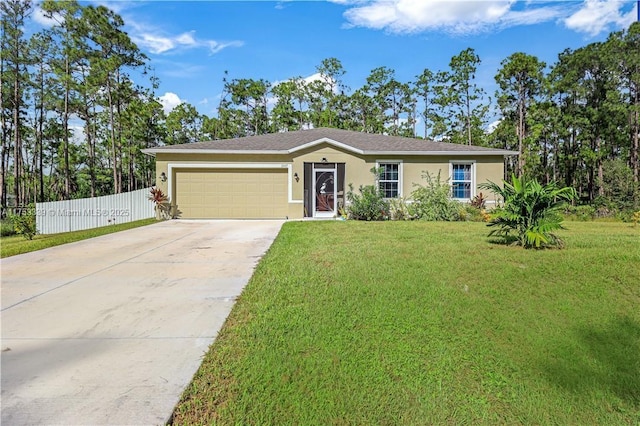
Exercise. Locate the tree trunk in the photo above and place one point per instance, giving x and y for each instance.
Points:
(635, 128)
(114, 153)
(521, 113)
(17, 142)
(39, 138)
(599, 167)
(88, 124)
(65, 128)
(3, 153)
(92, 154)
(468, 102)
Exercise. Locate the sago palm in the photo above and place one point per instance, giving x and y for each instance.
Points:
(530, 212)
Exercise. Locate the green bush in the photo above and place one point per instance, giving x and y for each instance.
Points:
(399, 209)
(6, 228)
(369, 204)
(25, 222)
(470, 213)
(580, 213)
(626, 216)
(432, 201)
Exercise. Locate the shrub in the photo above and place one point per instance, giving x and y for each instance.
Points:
(581, 213)
(531, 212)
(432, 201)
(7, 228)
(25, 222)
(369, 204)
(625, 216)
(469, 213)
(399, 209)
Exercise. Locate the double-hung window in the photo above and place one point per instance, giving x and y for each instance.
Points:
(462, 180)
(389, 178)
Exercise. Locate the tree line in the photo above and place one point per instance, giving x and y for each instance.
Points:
(74, 122)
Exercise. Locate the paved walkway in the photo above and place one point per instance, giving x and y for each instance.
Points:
(111, 330)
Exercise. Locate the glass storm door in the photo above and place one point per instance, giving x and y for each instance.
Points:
(324, 190)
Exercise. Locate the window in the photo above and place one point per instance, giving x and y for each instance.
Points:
(389, 179)
(462, 180)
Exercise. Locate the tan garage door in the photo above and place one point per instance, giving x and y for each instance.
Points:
(231, 193)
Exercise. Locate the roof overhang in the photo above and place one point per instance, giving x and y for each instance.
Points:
(500, 153)
(154, 151)
(334, 143)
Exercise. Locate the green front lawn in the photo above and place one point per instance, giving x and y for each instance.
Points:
(429, 323)
(17, 244)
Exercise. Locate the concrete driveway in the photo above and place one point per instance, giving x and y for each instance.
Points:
(111, 330)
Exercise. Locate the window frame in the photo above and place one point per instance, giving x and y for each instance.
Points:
(472, 181)
(379, 164)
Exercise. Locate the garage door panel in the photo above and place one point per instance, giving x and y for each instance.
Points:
(233, 193)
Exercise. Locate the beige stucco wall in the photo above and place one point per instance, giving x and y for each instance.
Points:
(357, 170)
(487, 168)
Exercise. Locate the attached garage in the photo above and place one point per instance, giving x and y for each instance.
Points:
(231, 193)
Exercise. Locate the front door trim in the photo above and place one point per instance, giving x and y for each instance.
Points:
(324, 190)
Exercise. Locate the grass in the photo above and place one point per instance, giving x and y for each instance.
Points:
(428, 323)
(17, 244)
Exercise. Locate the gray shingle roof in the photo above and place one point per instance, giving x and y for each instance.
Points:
(364, 143)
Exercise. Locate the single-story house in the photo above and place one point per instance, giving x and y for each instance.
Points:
(307, 173)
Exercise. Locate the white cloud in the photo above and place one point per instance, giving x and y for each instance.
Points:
(493, 125)
(38, 16)
(154, 43)
(533, 16)
(169, 101)
(186, 39)
(411, 16)
(469, 17)
(116, 6)
(596, 16)
(318, 77)
(158, 42)
(215, 47)
(312, 78)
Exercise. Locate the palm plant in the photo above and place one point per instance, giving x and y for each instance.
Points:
(531, 212)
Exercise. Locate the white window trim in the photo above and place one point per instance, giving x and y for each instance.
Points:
(473, 178)
(400, 174)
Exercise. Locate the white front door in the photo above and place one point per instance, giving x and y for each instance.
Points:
(324, 193)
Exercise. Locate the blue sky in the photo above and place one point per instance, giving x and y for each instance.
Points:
(191, 43)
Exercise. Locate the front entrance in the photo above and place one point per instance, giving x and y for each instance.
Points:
(324, 190)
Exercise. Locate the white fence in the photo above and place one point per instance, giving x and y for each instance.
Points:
(87, 213)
